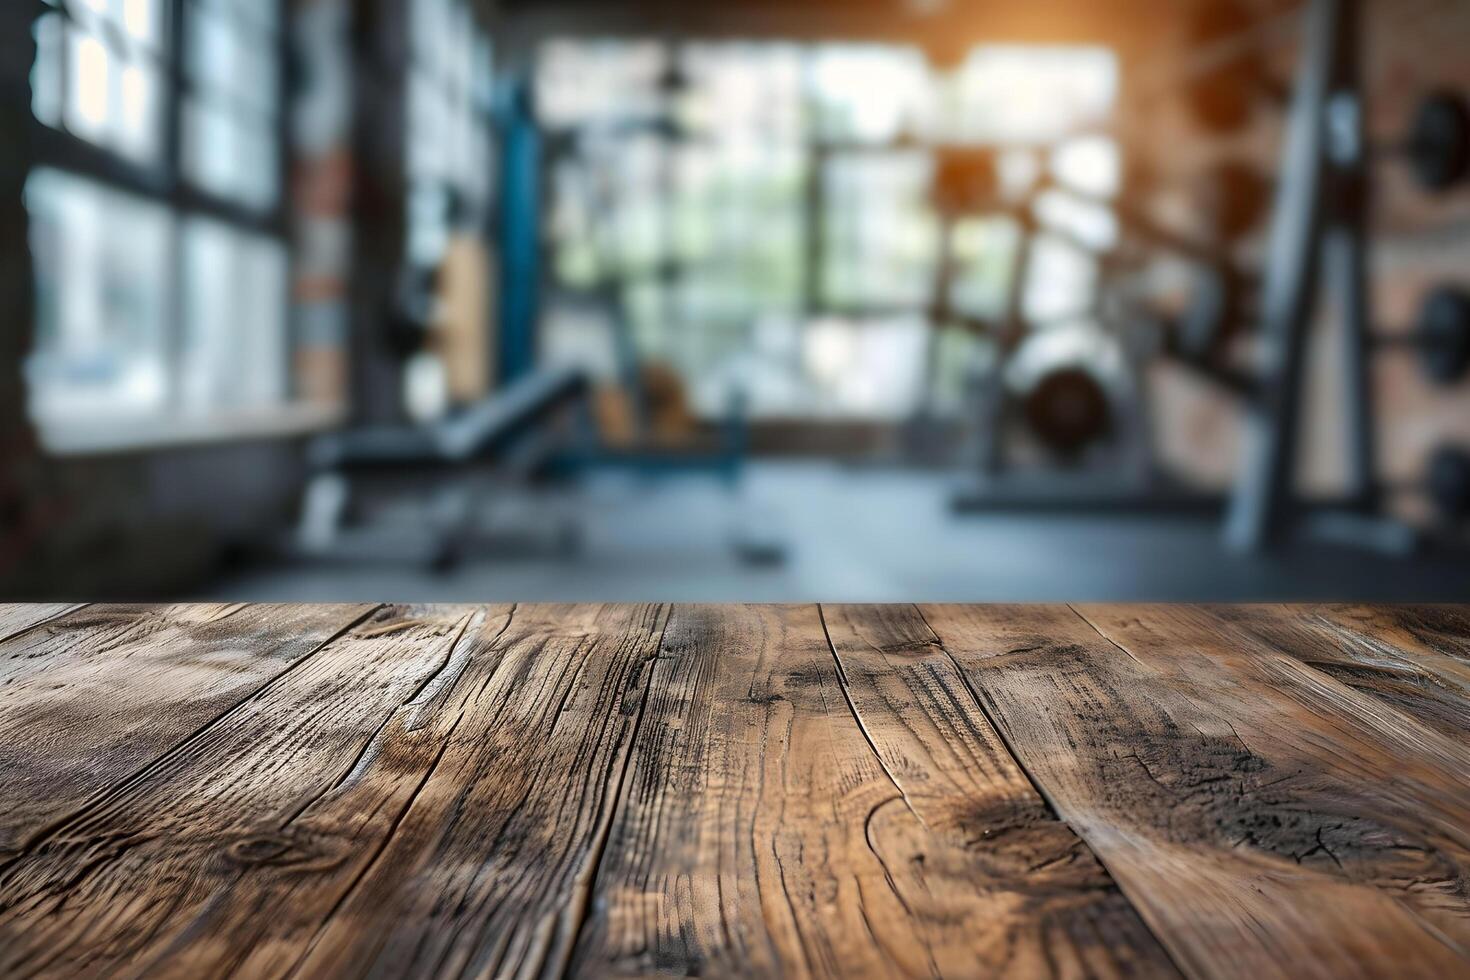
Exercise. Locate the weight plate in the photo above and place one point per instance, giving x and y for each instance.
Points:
(1067, 410)
(1223, 100)
(1442, 335)
(1237, 196)
(1439, 142)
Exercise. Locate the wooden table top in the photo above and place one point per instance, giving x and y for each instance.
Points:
(1243, 791)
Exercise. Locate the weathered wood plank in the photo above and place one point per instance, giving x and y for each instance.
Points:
(843, 809)
(1265, 819)
(1393, 654)
(488, 872)
(425, 796)
(17, 618)
(88, 699)
(123, 881)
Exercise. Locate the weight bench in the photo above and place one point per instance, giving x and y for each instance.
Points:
(467, 459)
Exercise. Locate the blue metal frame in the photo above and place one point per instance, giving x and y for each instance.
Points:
(520, 231)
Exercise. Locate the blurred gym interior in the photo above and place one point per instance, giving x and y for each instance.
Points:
(751, 300)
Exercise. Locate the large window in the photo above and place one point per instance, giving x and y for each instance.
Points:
(102, 71)
(448, 135)
(158, 226)
(231, 108)
(762, 210)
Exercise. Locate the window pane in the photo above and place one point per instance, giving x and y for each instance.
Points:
(232, 61)
(1029, 94)
(869, 93)
(143, 20)
(744, 92)
(579, 81)
(112, 99)
(881, 238)
(102, 302)
(447, 126)
(89, 96)
(230, 155)
(264, 14)
(211, 153)
(212, 50)
(1090, 164)
(234, 319)
(985, 252)
(866, 368)
(136, 126)
(259, 16)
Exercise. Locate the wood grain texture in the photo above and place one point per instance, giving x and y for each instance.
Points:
(117, 888)
(488, 873)
(424, 796)
(1415, 659)
(839, 809)
(88, 699)
(603, 790)
(16, 619)
(1265, 819)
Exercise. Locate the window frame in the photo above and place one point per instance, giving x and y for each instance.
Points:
(165, 182)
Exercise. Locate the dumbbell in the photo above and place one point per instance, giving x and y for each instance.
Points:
(1440, 336)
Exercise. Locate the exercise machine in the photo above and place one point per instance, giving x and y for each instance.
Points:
(428, 493)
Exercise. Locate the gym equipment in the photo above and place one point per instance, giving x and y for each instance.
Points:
(1318, 235)
(1440, 336)
(1320, 228)
(1067, 408)
(1227, 77)
(1444, 486)
(455, 462)
(1071, 389)
(1438, 146)
(1447, 483)
(1222, 94)
(476, 433)
(1235, 196)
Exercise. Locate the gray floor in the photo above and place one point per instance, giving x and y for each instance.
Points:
(858, 535)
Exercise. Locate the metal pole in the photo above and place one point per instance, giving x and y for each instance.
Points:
(1261, 500)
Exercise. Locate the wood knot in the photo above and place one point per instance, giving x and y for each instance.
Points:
(303, 850)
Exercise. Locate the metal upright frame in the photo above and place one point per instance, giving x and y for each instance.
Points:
(1319, 226)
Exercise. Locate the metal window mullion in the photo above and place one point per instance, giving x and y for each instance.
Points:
(285, 80)
(173, 138)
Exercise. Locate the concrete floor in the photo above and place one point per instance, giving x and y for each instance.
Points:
(859, 535)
